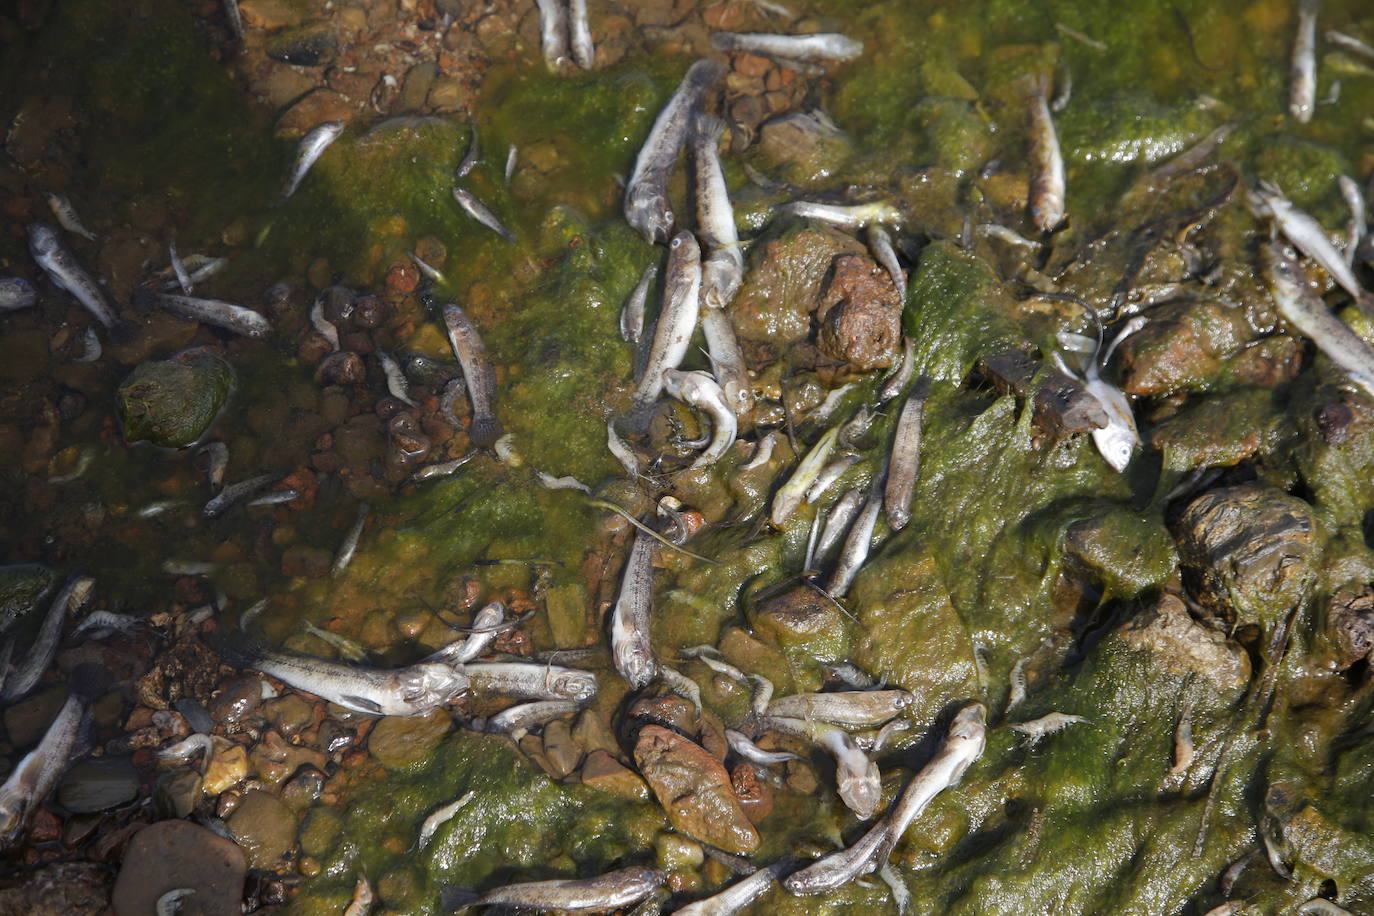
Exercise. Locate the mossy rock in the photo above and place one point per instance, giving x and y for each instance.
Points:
(172, 402)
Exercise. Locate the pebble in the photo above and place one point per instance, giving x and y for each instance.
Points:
(237, 700)
(264, 827)
(97, 784)
(228, 767)
(177, 792)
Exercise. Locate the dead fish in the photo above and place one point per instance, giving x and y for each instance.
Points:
(231, 12)
(487, 624)
(750, 751)
(1116, 441)
(235, 493)
(216, 462)
(83, 464)
(1320, 906)
(510, 164)
(348, 649)
(101, 623)
(898, 381)
(24, 674)
(848, 708)
(1047, 186)
(308, 150)
(66, 216)
(580, 34)
(198, 267)
(16, 293)
(605, 892)
(698, 389)
(1349, 43)
(384, 92)
(791, 494)
(169, 904)
(62, 268)
(442, 816)
(469, 160)
(519, 719)
(478, 211)
(1046, 725)
(630, 619)
(858, 542)
(157, 507)
(904, 465)
(1079, 36)
(567, 482)
(677, 320)
(467, 345)
(395, 379)
(1183, 742)
(189, 747)
(763, 452)
(1355, 229)
(553, 33)
(1302, 78)
(426, 269)
(818, 46)
(647, 207)
(183, 278)
(740, 894)
(632, 314)
(531, 681)
(323, 326)
(442, 469)
(622, 452)
(727, 360)
(1309, 237)
(350, 542)
(225, 315)
(409, 691)
(175, 567)
(855, 216)
(827, 477)
(880, 244)
(723, 269)
(1306, 312)
(858, 782)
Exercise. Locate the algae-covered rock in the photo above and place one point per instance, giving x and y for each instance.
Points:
(694, 789)
(172, 402)
(1255, 548)
(1126, 552)
(1220, 430)
(400, 742)
(1181, 644)
(22, 587)
(1130, 127)
(805, 148)
(783, 284)
(802, 618)
(1182, 347)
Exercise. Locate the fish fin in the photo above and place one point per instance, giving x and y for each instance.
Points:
(89, 680)
(362, 703)
(124, 331)
(484, 431)
(453, 897)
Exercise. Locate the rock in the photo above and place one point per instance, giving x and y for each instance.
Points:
(670, 712)
(97, 784)
(321, 830)
(1349, 625)
(273, 760)
(177, 793)
(58, 889)
(304, 789)
(1182, 347)
(174, 854)
(447, 94)
(1124, 551)
(415, 87)
(755, 797)
(289, 714)
(173, 402)
(264, 827)
(21, 587)
(402, 742)
(283, 85)
(694, 789)
(804, 148)
(803, 619)
(860, 315)
(1220, 430)
(314, 109)
(228, 767)
(304, 561)
(27, 720)
(269, 15)
(1254, 547)
(197, 716)
(562, 752)
(237, 700)
(303, 46)
(1061, 406)
(603, 772)
(783, 283)
(1183, 645)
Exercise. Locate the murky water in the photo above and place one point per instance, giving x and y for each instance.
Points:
(1019, 548)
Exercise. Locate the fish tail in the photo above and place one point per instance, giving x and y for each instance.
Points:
(453, 898)
(484, 431)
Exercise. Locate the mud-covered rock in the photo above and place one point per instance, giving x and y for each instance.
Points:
(1255, 550)
(172, 402)
(1220, 430)
(860, 315)
(603, 772)
(264, 827)
(311, 45)
(805, 148)
(1183, 645)
(784, 281)
(1182, 347)
(1349, 625)
(59, 889)
(694, 789)
(1061, 406)
(176, 854)
(802, 617)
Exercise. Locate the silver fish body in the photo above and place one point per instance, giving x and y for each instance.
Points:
(236, 493)
(1309, 237)
(580, 34)
(880, 244)
(839, 868)
(1302, 76)
(216, 462)
(1355, 229)
(722, 272)
(519, 719)
(841, 516)
(309, 150)
(410, 691)
(66, 216)
(857, 779)
(442, 816)
(532, 681)
(647, 207)
(16, 293)
(478, 211)
(856, 708)
(225, 315)
(198, 267)
(25, 674)
(829, 474)
(857, 543)
(396, 382)
(605, 892)
(553, 33)
(851, 216)
(477, 372)
(740, 744)
(470, 158)
(622, 451)
(632, 315)
(37, 774)
(630, 647)
(61, 266)
(183, 276)
(905, 464)
(486, 626)
(727, 361)
(678, 319)
(235, 17)
(790, 495)
(1047, 184)
(738, 895)
(818, 46)
(322, 325)
(350, 542)
(698, 389)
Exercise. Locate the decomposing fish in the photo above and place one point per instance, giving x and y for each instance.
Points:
(1183, 742)
(1349, 43)
(857, 779)
(350, 541)
(66, 216)
(104, 622)
(442, 469)
(519, 719)
(790, 495)
(157, 507)
(904, 465)
(1116, 441)
(1306, 312)
(169, 904)
(566, 482)
(856, 708)
(396, 382)
(1355, 229)
(1035, 729)
(727, 360)
(853, 216)
(698, 389)
(308, 150)
(580, 34)
(763, 452)
(750, 751)
(361, 903)
(677, 320)
(16, 293)
(632, 315)
(899, 379)
(630, 647)
(605, 892)
(817, 46)
(531, 681)
(189, 747)
(225, 315)
(858, 542)
(62, 268)
(880, 244)
(1309, 237)
(426, 269)
(478, 374)
(647, 207)
(740, 894)
(235, 493)
(470, 158)
(216, 462)
(442, 816)
(1302, 75)
(1320, 906)
(1047, 186)
(622, 452)
(175, 567)
(553, 33)
(829, 474)
(478, 211)
(409, 691)
(198, 267)
(1007, 236)
(348, 649)
(722, 271)
(90, 347)
(183, 277)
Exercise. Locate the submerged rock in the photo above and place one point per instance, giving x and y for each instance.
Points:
(21, 586)
(97, 784)
(172, 402)
(303, 46)
(400, 742)
(603, 772)
(264, 827)
(694, 789)
(804, 618)
(59, 889)
(175, 854)
(1061, 406)
(804, 147)
(860, 315)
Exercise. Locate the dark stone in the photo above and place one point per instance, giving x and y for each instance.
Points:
(304, 46)
(175, 854)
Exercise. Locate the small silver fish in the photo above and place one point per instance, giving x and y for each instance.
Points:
(90, 347)
(103, 622)
(905, 464)
(580, 31)
(553, 33)
(395, 379)
(384, 92)
(157, 507)
(442, 816)
(183, 278)
(231, 12)
(610, 891)
(350, 542)
(323, 326)
(856, 708)
(66, 215)
(698, 389)
(531, 681)
(175, 567)
(1349, 43)
(62, 268)
(727, 360)
(409, 691)
(1309, 237)
(361, 903)
(26, 672)
(225, 315)
(738, 895)
(841, 516)
(854, 216)
(677, 319)
(630, 621)
(829, 474)
(632, 314)
(309, 150)
(857, 779)
(426, 269)
(16, 293)
(622, 452)
(189, 747)
(1302, 85)
(510, 163)
(83, 464)
(470, 159)
(817, 46)
(198, 267)
(750, 751)
(790, 495)
(880, 244)
(477, 373)
(723, 269)
(858, 542)
(763, 452)
(487, 624)
(1355, 229)
(237, 492)
(349, 649)
(442, 469)
(1047, 184)
(519, 719)
(274, 498)
(478, 211)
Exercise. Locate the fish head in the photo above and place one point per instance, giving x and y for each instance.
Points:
(578, 686)
(860, 786)
(43, 241)
(970, 722)
(648, 211)
(12, 810)
(1116, 444)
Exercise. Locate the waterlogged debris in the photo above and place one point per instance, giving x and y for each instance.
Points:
(362, 900)
(225, 315)
(818, 46)
(1309, 237)
(1047, 186)
(349, 649)
(455, 389)
(740, 894)
(531, 681)
(647, 207)
(396, 382)
(631, 649)
(677, 320)
(62, 268)
(698, 389)
(553, 33)
(440, 817)
(1046, 725)
(16, 293)
(790, 495)
(1307, 313)
(632, 314)
(605, 892)
(478, 374)
(308, 151)
(851, 216)
(322, 325)
(350, 541)
(478, 211)
(1302, 78)
(848, 708)
(904, 465)
(580, 34)
(66, 216)
(236, 493)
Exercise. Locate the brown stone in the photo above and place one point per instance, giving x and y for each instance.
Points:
(602, 771)
(174, 854)
(1349, 625)
(1061, 406)
(801, 617)
(694, 789)
(1181, 644)
(755, 797)
(860, 314)
(314, 109)
(783, 284)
